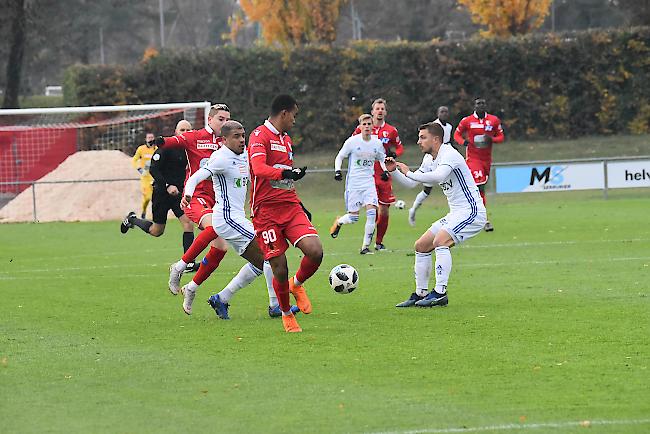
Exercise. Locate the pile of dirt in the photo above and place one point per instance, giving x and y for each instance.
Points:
(81, 201)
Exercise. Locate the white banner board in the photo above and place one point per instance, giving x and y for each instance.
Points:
(557, 177)
(628, 174)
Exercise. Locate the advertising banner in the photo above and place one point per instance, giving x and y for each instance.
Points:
(628, 174)
(557, 177)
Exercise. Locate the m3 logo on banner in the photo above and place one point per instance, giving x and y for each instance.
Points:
(581, 176)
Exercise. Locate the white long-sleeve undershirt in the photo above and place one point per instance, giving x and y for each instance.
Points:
(194, 180)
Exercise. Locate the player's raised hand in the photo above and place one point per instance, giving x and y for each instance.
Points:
(185, 201)
(159, 141)
(338, 176)
(390, 164)
(402, 167)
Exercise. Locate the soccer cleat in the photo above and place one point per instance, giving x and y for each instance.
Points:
(290, 324)
(412, 216)
(192, 267)
(410, 302)
(275, 312)
(126, 223)
(433, 299)
(335, 228)
(488, 227)
(174, 279)
(300, 295)
(188, 300)
(380, 246)
(220, 308)
(365, 251)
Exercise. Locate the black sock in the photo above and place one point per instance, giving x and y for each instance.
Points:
(188, 238)
(142, 224)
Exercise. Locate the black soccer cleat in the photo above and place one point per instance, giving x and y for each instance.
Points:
(488, 227)
(335, 228)
(380, 246)
(410, 302)
(433, 299)
(126, 223)
(366, 251)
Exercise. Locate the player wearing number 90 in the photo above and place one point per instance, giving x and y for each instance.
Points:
(277, 214)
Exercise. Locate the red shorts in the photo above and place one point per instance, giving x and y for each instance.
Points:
(385, 194)
(480, 170)
(275, 224)
(200, 206)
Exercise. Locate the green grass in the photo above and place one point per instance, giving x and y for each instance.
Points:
(548, 323)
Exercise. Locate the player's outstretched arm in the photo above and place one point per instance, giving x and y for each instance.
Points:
(441, 173)
(180, 140)
(391, 165)
(191, 183)
(499, 137)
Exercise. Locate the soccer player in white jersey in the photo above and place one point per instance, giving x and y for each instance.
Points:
(442, 120)
(466, 217)
(361, 150)
(229, 169)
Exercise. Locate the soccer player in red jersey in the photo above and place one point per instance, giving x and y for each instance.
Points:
(478, 132)
(276, 211)
(199, 145)
(389, 137)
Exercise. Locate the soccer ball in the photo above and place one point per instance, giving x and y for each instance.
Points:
(400, 204)
(344, 279)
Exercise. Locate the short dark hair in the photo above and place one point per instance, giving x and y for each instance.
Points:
(434, 129)
(282, 102)
(230, 126)
(218, 107)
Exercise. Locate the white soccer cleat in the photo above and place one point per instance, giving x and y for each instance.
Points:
(188, 299)
(412, 216)
(174, 279)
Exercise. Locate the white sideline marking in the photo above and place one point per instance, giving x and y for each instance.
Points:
(8, 276)
(523, 426)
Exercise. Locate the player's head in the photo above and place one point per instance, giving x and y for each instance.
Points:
(443, 113)
(284, 110)
(430, 138)
(480, 105)
(379, 110)
(218, 114)
(365, 124)
(149, 138)
(234, 136)
(183, 126)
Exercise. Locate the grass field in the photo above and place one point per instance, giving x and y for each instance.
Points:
(547, 328)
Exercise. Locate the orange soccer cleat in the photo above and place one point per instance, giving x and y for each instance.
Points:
(300, 295)
(291, 324)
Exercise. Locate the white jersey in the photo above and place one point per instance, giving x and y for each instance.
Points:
(459, 186)
(230, 176)
(361, 157)
(447, 128)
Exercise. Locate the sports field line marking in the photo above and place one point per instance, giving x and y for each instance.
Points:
(523, 426)
(7, 275)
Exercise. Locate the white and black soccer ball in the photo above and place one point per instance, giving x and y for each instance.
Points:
(344, 279)
(400, 204)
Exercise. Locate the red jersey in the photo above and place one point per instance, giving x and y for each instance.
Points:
(198, 145)
(475, 128)
(388, 136)
(269, 153)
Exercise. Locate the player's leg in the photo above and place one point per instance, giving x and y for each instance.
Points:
(147, 190)
(159, 208)
(423, 265)
(480, 171)
(302, 234)
(421, 197)
(281, 286)
(442, 242)
(353, 205)
(371, 203)
(386, 198)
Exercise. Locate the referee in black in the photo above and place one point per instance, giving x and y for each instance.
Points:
(168, 171)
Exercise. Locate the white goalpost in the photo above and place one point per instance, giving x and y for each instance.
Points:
(35, 142)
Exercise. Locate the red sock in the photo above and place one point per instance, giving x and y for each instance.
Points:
(282, 292)
(307, 269)
(209, 264)
(482, 196)
(199, 244)
(382, 226)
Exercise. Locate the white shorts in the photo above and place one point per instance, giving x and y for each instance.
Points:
(461, 226)
(355, 199)
(238, 231)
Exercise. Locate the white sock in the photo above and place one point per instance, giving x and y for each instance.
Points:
(192, 286)
(180, 265)
(348, 219)
(419, 199)
(246, 275)
(422, 269)
(268, 275)
(443, 268)
(371, 218)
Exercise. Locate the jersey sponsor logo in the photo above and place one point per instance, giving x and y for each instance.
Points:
(476, 125)
(278, 147)
(240, 182)
(206, 145)
(252, 145)
(446, 185)
(365, 163)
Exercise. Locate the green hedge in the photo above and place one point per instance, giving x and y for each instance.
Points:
(541, 86)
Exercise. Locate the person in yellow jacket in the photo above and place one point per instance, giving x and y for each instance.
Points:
(142, 161)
